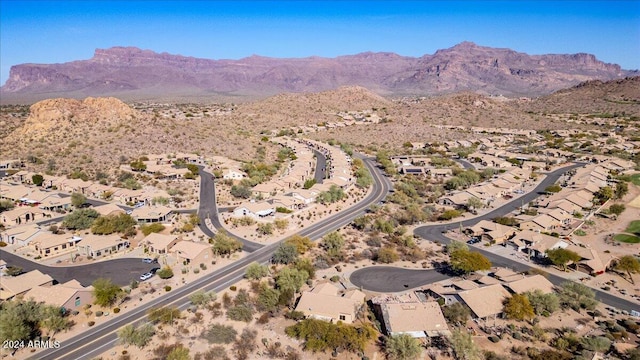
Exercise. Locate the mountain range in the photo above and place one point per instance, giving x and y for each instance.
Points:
(130, 73)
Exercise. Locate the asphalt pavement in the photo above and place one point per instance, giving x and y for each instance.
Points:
(120, 271)
(393, 279)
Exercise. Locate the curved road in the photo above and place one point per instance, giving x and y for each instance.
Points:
(208, 210)
(436, 233)
(393, 279)
(96, 340)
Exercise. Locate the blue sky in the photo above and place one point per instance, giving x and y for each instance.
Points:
(61, 31)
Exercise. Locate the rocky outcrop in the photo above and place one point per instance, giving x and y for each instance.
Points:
(59, 113)
(131, 73)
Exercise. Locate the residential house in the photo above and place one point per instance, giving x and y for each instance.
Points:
(55, 202)
(21, 235)
(152, 214)
(530, 283)
(159, 243)
(536, 244)
(307, 196)
(324, 302)
(485, 302)
(101, 245)
(233, 174)
(49, 244)
(592, 262)
(12, 286)
(109, 209)
(492, 232)
(541, 223)
(458, 200)
(189, 252)
(68, 296)
(255, 210)
(417, 319)
(21, 215)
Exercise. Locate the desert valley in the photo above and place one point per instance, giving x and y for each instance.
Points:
(477, 203)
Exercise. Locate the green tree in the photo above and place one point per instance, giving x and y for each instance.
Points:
(562, 257)
(138, 165)
(543, 304)
(622, 189)
(223, 244)
(19, 320)
(463, 346)
(286, 253)
(333, 243)
(402, 347)
(334, 194)
(52, 319)
(165, 273)
(13, 270)
(164, 315)
(363, 177)
(455, 245)
(80, 219)
(151, 228)
(239, 191)
(268, 298)
(265, 229)
(577, 296)
(617, 209)
(449, 214)
(6, 205)
(291, 279)
(139, 337)
(604, 194)
(308, 184)
(457, 313)
(121, 223)
(468, 261)
(630, 265)
(387, 255)
(596, 343)
(37, 179)
(553, 189)
(105, 293)
(255, 271)
(304, 264)
(474, 203)
(202, 298)
(302, 243)
(518, 307)
(78, 199)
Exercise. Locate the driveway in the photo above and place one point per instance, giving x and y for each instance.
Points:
(387, 279)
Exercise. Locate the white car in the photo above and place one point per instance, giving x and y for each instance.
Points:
(146, 276)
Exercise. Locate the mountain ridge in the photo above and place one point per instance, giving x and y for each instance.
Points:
(131, 73)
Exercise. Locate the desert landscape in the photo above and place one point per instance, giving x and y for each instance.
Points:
(466, 202)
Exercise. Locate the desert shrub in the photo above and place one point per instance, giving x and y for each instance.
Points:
(219, 334)
(240, 313)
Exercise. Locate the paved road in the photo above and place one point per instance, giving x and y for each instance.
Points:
(120, 271)
(102, 337)
(393, 279)
(208, 210)
(465, 164)
(321, 166)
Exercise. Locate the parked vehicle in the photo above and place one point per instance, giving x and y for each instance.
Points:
(146, 276)
(149, 260)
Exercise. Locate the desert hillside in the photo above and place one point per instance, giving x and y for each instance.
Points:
(96, 134)
(134, 74)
